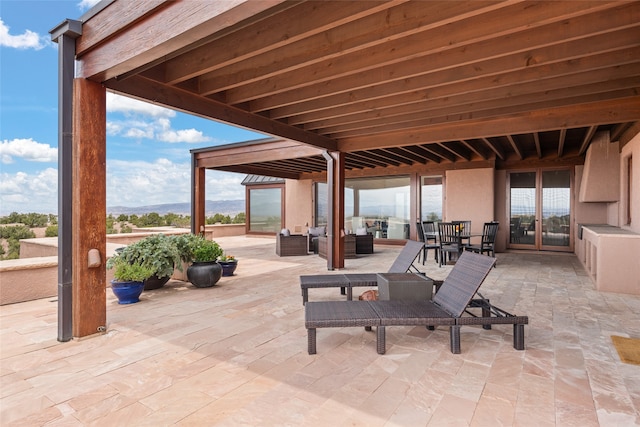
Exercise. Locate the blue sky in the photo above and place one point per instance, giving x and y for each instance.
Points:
(148, 160)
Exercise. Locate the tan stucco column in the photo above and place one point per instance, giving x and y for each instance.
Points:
(89, 206)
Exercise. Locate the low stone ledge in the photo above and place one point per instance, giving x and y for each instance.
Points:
(28, 263)
(28, 279)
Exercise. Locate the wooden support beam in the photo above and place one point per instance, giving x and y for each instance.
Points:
(536, 140)
(586, 140)
(145, 89)
(89, 207)
(515, 147)
(335, 226)
(198, 199)
(494, 147)
(569, 116)
(474, 149)
(561, 140)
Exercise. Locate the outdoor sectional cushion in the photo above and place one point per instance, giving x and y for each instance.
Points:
(317, 231)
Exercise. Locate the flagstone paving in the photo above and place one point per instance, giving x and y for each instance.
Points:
(236, 355)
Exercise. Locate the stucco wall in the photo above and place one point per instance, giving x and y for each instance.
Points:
(500, 209)
(632, 148)
(298, 205)
(470, 196)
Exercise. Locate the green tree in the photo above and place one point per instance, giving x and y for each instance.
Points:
(151, 219)
(134, 219)
(35, 220)
(171, 218)
(110, 225)
(16, 232)
(12, 218)
(223, 219)
(51, 231)
(13, 234)
(123, 218)
(240, 218)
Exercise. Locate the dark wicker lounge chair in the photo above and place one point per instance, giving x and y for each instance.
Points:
(346, 282)
(454, 299)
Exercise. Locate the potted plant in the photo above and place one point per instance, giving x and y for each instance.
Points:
(229, 263)
(128, 279)
(158, 252)
(204, 270)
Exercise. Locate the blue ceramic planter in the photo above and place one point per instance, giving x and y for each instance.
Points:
(228, 268)
(127, 292)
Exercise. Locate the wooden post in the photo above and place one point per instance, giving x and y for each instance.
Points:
(415, 202)
(335, 231)
(197, 196)
(89, 207)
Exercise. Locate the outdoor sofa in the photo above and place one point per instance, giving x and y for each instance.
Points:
(452, 306)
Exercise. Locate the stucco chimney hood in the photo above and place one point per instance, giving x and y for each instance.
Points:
(601, 176)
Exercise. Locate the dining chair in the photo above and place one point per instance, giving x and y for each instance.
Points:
(487, 244)
(465, 231)
(449, 241)
(430, 239)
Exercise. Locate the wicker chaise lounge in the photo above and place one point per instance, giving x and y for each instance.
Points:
(453, 299)
(346, 282)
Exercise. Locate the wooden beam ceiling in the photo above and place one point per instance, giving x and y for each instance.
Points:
(390, 83)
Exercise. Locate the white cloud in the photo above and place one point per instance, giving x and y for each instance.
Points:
(26, 40)
(87, 4)
(184, 135)
(130, 106)
(27, 149)
(147, 121)
(224, 185)
(38, 191)
(139, 183)
(129, 183)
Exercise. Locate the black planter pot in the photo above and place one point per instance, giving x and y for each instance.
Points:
(155, 282)
(204, 274)
(228, 268)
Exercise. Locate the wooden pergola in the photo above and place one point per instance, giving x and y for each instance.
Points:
(342, 85)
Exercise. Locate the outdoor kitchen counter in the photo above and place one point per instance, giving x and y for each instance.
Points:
(611, 257)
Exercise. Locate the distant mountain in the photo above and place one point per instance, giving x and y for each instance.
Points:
(225, 207)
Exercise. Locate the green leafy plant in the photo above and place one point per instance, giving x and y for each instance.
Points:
(158, 252)
(195, 248)
(185, 244)
(227, 258)
(125, 271)
(206, 250)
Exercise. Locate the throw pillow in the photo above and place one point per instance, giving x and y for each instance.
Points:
(285, 232)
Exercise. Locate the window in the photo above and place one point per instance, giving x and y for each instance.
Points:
(265, 210)
(380, 205)
(431, 196)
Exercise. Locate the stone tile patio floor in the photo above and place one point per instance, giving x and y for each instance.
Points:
(236, 355)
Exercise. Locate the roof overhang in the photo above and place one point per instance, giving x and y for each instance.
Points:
(391, 83)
